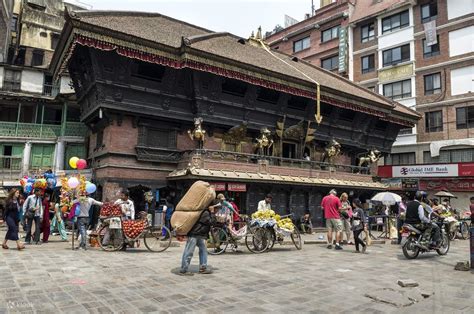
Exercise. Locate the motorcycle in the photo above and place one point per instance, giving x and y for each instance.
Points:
(416, 241)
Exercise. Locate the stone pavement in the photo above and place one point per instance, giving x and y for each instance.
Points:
(52, 278)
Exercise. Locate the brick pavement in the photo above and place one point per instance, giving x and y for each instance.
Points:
(52, 278)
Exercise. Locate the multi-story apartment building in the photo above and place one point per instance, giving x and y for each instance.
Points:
(316, 39)
(420, 53)
(6, 9)
(39, 119)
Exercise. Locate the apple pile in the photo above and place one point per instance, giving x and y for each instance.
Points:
(133, 228)
(110, 209)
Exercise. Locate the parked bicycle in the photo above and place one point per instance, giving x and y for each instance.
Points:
(112, 235)
(274, 234)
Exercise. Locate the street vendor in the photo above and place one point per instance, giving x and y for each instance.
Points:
(127, 206)
(85, 205)
(266, 203)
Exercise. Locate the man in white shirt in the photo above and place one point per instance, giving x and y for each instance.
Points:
(127, 206)
(266, 203)
(33, 212)
(83, 217)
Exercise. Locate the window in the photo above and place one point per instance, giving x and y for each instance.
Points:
(429, 12)
(396, 21)
(54, 41)
(465, 118)
(432, 84)
(405, 131)
(449, 156)
(397, 90)
(367, 32)
(329, 34)
(301, 44)
(234, 87)
(37, 59)
(99, 142)
(330, 63)
(12, 80)
(368, 63)
(400, 159)
(434, 121)
(161, 138)
(149, 71)
(430, 51)
(268, 95)
(73, 114)
(396, 55)
(14, 23)
(289, 150)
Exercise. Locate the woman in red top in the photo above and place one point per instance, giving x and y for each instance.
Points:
(46, 225)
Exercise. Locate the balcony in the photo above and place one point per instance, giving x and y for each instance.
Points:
(10, 168)
(50, 90)
(41, 131)
(240, 165)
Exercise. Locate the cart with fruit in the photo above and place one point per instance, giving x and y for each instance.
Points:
(276, 228)
(114, 232)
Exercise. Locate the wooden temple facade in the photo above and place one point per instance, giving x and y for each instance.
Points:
(148, 84)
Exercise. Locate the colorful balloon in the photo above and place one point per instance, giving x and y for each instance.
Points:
(81, 164)
(91, 188)
(28, 188)
(73, 162)
(72, 182)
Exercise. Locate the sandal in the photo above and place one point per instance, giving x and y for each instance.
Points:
(5, 247)
(22, 247)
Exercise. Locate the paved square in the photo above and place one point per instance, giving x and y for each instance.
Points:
(52, 278)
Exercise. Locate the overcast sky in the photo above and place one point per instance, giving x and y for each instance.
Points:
(239, 17)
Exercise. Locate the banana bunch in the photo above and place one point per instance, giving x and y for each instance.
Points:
(286, 224)
(264, 214)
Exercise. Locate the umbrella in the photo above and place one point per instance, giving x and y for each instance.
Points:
(387, 198)
(444, 194)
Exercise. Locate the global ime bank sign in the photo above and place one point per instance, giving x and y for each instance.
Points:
(419, 171)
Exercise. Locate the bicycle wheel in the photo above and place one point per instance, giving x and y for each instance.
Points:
(271, 238)
(110, 239)
(218, 241)
(256, 241)
(464, 230)
(157, 239)
(296, 238)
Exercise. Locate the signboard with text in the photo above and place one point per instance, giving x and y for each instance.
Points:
(218, 186)
(396, 73)
(419, 171)
(342, 49)
(237, 187)
(452, 185)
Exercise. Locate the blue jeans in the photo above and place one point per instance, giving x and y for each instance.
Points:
(189, 251)
(82, 222)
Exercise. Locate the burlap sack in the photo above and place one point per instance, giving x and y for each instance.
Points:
(199, 196)
(182, 222)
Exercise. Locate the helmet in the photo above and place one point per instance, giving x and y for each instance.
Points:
(419, 195)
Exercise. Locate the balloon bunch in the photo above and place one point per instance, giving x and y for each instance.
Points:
(76, 163)
(47, 180)
(76, 185)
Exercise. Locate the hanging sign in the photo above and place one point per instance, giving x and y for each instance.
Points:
(342, 49)
(237, 187)
(218, 186)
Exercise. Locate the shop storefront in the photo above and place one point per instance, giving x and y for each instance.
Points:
(457, 178)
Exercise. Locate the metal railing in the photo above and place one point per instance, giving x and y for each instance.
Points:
(276, 161)
(50, 90)
(43, 131)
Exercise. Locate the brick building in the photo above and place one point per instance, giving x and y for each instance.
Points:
(142, 91)
(316, 39)
(392, 55)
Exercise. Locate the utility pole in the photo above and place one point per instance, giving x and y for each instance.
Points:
(312, 7)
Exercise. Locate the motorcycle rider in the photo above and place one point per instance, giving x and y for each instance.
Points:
(416, 215)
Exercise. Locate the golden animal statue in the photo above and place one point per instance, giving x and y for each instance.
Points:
(373, 156)
(331, 152)
(198, 134)
(264, 142)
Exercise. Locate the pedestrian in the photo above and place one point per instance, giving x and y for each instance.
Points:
(198, 235)
(265, 204)
(21, 202)
(168, 209)
(471, 208)
(358, 224)
(346, 213)
(33, 212)
(332, 206)
(46, 225)
(83, 218)
(402, 208)
(306, 225)
(127, 206)
(58, 223)
(11, 217)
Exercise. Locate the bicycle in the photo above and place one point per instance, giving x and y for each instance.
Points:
(275, 234)
(220, 237)
(111, 236)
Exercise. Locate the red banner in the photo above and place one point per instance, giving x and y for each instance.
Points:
(466, 169)
(218, 186)
(237, 187)
(452, 185)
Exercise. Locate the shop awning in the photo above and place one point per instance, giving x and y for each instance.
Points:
(243, 176)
